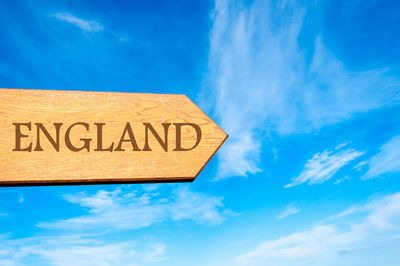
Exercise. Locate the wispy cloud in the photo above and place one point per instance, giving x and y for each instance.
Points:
(124, 209)
(84, 240)
(156, 252)
(324, 165)
(340, 180)
(360, 165)
(78, 250)
(386, 161)
(374, 222)
(85, 25)
(260, 81)
(288, 211)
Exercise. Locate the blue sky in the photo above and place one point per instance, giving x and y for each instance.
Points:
(308, 92)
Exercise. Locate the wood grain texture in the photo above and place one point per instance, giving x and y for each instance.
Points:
(115, 110)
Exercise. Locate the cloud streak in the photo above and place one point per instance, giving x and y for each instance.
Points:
(386, 161)
(78, 250)
(85, 25)
(261, 83)
(327, 242)
(288, 211)
(124, 209)
(323, 166)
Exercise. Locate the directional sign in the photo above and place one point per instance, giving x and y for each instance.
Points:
(75, 137)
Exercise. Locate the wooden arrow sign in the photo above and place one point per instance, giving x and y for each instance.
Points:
(71, 137)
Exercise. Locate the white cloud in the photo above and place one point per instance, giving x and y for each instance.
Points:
(359, 166)
(85, 25)
(156, 252)
(386, 161)
(340, 180)
(77, 250)
(85, 240)
(356, 228)
(288, 211)
(124, 209)
(260, 82)
(323, 165)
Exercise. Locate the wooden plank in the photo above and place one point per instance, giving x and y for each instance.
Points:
(100, 137)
